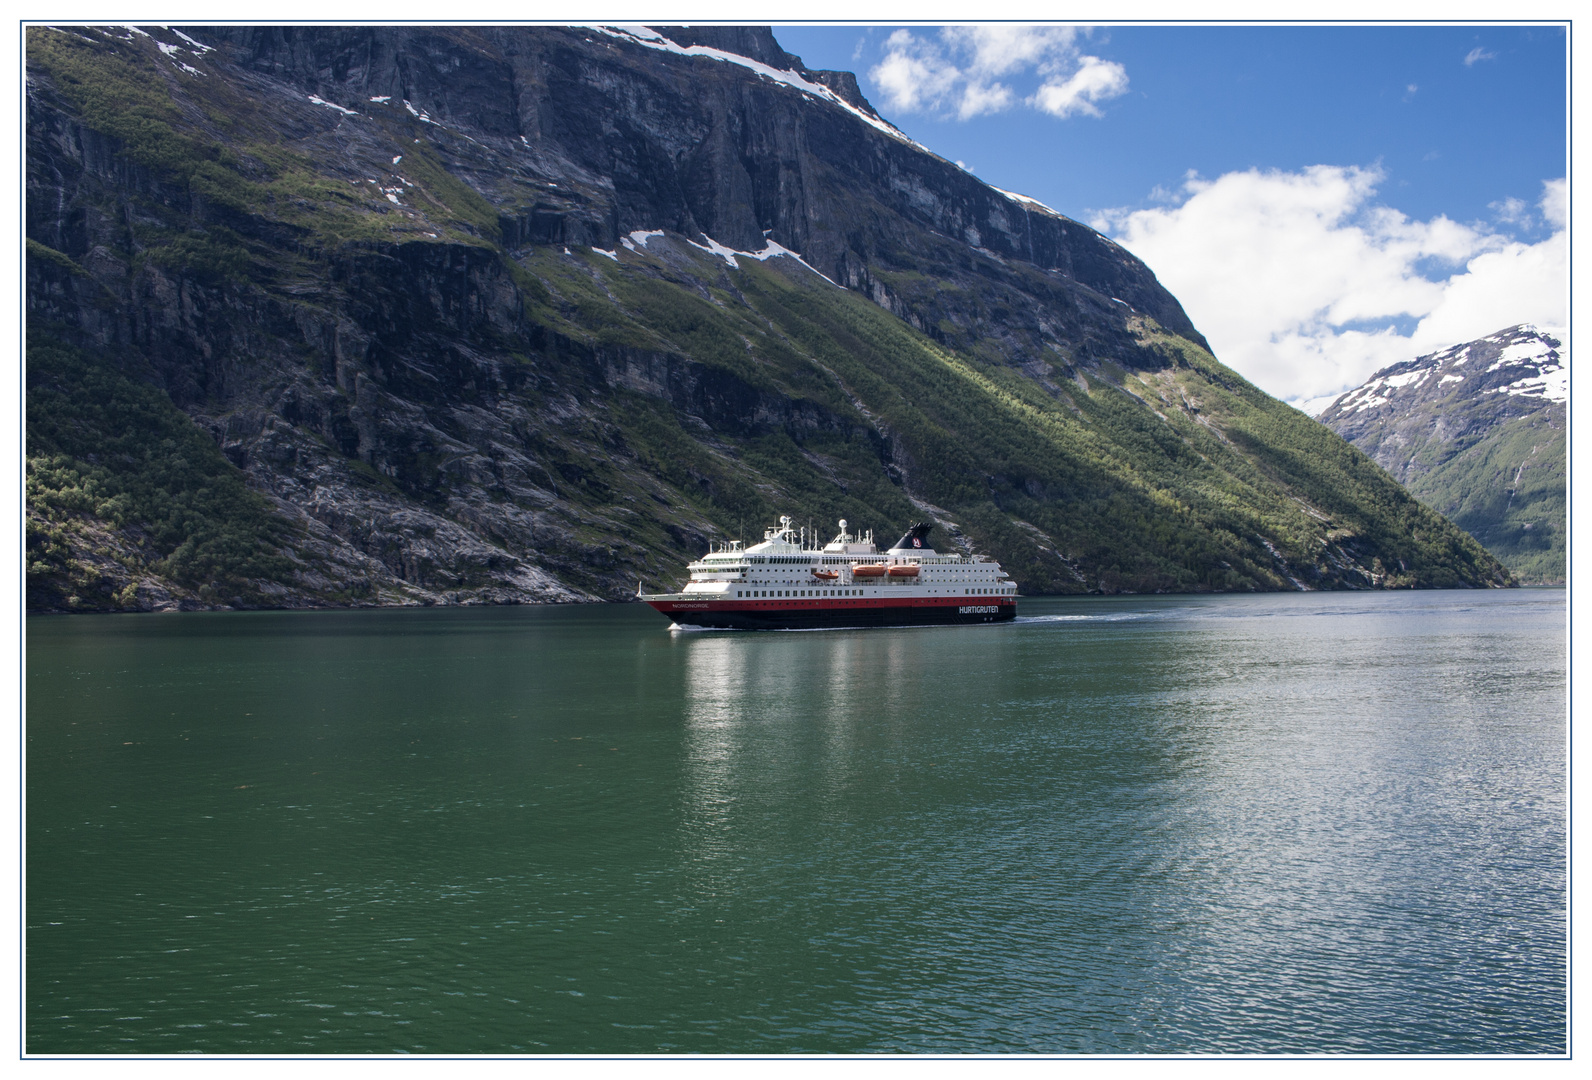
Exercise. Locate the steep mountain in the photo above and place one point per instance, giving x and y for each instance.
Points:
(477, 314)
(1477, 432)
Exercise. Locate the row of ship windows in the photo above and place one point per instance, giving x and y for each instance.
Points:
(828, 560)
(702, 568)
(756, 593)
(920, 581)
(800, 592)
(794, 560)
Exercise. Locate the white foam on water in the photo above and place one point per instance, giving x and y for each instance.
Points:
(1124, 616)
(673, 627)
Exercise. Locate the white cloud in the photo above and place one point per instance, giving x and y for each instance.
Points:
(1555, 202)
(910, 81)
(1001, 50)
(978, 99)
(961, 71)
(1306, 285)
(1095, 80)
(1478, 53)
(1520, 283)
(1511, 211)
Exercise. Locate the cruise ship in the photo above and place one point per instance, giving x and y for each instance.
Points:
(785, 584)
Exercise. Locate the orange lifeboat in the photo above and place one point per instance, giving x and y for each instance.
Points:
(867, 570)
(826, 575)
(904, 570)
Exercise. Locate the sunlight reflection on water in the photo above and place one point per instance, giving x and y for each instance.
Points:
(1323, 823)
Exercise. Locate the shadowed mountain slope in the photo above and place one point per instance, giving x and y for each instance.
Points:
(525, 314)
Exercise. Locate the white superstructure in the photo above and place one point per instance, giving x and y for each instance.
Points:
(783, 565)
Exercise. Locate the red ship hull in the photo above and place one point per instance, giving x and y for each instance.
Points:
(818, 613)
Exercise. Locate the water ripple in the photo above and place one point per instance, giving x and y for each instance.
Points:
(1143, 825)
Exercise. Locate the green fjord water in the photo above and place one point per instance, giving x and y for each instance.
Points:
(1285, 823)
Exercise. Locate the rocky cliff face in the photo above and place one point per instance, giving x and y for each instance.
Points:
(1478, 433)
(582, 137)
(526, 314)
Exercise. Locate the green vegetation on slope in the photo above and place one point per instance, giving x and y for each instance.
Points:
(108, 454)
(1153, 468)
(1508, 491)
(1183, 477)
(215, 144)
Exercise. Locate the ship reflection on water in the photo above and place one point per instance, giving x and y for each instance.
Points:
(758, 719)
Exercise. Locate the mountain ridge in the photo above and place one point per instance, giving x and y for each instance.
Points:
(464, 307)
(1464, 426)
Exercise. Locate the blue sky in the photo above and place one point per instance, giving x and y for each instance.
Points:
(1406, 152)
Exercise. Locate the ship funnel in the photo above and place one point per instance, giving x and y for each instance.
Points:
(916, 540)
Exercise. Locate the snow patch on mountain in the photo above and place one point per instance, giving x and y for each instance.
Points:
(203, 48)
(1552, 383)
(1531, 353)
(1525, 352)
(1024, 200)
(331, 105)
(1415, 377)
(771, 249)
(639, 236)
(640, 35)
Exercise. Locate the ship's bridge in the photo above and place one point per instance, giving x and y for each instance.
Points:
(845, 543)
(780, 541)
